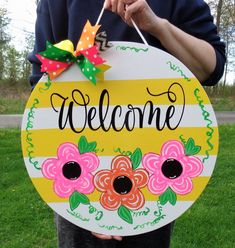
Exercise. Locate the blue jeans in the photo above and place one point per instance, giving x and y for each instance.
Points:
(72, 236)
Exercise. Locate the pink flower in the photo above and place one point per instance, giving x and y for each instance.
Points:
(171, 169)
(71, 170)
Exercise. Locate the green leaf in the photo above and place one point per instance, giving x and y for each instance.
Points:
(163, 198)
(82, 145)
(196, 150)
(125, 214)
(136, 158)
(91, 146)
(168, 196)
(83, 199)
(191, 148)
(74, 200)
(172, 196)
(189, 145)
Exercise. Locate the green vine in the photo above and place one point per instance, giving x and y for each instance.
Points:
(124, 153)
(77, 215)
(183, 139)
(158, 217)
(111, 227)
(135, 49)
(177, 68)
(47, 86)
(30, 148)
(206, 116)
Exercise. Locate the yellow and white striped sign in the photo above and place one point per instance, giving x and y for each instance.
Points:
(128, 155)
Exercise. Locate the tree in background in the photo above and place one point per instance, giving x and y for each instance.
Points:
(25, 65)
(227, 30)
(4, 39)
(224, 12)
(12, 65)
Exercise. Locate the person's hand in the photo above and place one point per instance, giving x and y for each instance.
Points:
(106, 237)
(138, 10)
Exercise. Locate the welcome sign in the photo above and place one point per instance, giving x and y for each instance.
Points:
(127, 155)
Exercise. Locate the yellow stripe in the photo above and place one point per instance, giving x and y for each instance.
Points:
(45, 142)
(131, 92)
(45, 189)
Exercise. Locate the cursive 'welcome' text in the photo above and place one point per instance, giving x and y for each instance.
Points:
(75, 111)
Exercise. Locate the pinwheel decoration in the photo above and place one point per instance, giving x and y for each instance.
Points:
(59, 57)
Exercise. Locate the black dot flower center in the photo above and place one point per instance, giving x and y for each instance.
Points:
(71, 170)
(172, 168)
(122, 185)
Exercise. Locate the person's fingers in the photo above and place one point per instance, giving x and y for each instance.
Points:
(114, 4)
(107, 4)
(119, 238)
(102, 236)
(134, 8)
(117, 5)
(121, 9)
(111, 5)
(106, 237)
(128, 1)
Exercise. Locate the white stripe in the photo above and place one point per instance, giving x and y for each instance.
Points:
(111, 218)
(105, 162)
(47, 118)
(120, 59)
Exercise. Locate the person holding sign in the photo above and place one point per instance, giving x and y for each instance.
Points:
(183, 28)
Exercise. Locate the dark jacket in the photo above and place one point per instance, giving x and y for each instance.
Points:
(58, 20)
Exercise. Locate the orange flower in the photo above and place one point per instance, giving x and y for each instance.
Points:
(121, 184)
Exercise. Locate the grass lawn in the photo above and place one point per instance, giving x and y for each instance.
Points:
(209, 223)
(223, 103)
(26, 222)
(13, 99)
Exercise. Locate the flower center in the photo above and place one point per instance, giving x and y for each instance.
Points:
(122, 185)
(71, 170)
(172, 168)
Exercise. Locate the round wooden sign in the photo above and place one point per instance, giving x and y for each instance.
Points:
(125, 156)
